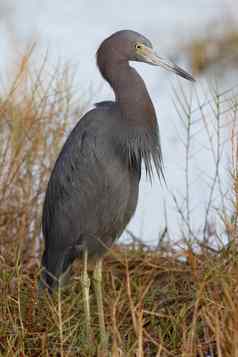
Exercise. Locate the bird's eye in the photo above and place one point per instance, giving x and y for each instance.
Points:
(138, 46)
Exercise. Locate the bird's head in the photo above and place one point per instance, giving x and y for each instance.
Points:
(127, 45)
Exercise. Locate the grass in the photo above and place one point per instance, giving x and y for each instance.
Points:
(155, 305)
(169, 301)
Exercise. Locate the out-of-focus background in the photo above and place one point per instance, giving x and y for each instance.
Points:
(201, 36)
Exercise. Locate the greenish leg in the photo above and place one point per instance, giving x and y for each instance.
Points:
(97, 277)
(85, 281)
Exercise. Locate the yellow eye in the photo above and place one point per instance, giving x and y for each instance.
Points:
(138, 46)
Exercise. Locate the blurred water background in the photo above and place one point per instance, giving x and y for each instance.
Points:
(71, 32)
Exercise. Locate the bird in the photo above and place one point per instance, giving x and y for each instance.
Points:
(93, 189)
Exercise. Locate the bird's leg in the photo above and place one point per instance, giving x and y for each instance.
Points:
(86, 285)
(97, 277)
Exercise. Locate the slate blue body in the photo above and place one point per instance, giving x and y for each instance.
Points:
(93, 189)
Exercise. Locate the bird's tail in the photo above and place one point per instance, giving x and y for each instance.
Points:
(54, 268)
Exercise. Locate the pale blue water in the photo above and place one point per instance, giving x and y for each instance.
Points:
(73, 30)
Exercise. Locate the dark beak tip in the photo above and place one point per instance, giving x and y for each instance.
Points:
(188, 77)
(180, 72)
(191, 79)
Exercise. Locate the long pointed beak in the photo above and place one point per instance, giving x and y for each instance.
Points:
(150, 56)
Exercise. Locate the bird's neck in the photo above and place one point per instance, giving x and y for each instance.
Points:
(131, 95)
(134, 99)
(138, 134)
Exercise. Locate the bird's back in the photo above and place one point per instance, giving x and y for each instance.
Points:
(92, 192)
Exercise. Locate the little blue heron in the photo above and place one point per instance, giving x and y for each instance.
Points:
(93, 189)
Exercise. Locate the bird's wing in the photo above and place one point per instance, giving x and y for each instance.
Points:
(80, 175)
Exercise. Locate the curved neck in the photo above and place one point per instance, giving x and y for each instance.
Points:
(139, 137)
(130, 93)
